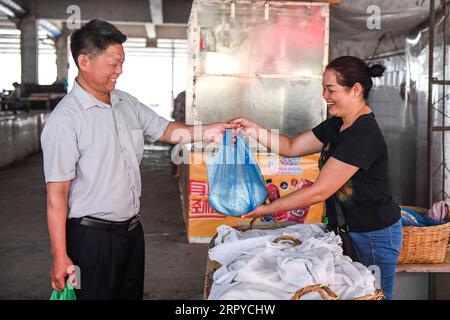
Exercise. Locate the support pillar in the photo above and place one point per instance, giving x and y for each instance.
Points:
(29, 50)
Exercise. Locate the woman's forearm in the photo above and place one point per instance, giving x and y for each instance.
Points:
(298, 199)
(275, 142)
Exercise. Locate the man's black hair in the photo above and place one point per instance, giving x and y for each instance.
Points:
(94, 38)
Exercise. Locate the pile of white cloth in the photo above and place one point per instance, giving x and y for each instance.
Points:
(254, 267)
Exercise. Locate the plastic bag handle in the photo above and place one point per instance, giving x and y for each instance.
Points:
(226, 137)
(240, 139)
(227, 142)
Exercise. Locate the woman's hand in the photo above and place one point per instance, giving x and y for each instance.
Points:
(262, 210)
(248, 127)
(215, 131)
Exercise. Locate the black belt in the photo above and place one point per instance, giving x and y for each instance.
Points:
(111, 226)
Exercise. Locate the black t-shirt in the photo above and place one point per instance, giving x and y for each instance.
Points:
(366, 198)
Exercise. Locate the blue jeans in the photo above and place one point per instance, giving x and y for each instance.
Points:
(380, 248)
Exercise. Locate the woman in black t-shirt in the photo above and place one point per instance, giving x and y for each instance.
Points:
(354, 177)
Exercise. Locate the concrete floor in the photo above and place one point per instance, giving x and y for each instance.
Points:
(174, 268)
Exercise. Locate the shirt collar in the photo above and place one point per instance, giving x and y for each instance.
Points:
(88, 101)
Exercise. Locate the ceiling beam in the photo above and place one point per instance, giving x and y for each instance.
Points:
(16, 12)
(167, 31)
(115, 11)
(12, 9)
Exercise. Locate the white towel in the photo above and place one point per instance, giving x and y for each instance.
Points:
(261, 269)
(230, 244)
(228, 252)
(248, 291)
(229, 234)
(253, 267)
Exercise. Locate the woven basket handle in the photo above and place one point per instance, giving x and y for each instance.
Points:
(250, 225)
(321, 289)
(294, 241)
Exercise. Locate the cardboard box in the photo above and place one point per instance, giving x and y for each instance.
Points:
(202, 221)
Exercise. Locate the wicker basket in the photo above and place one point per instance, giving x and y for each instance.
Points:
(254, 225)
(212, 266)
(424, 244)
(327, 294)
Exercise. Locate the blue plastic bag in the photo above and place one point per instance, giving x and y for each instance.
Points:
(411, 218)
(236, 185)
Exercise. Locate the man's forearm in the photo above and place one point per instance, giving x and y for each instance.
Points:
(57, 217)
(178, 132)
(57, 230)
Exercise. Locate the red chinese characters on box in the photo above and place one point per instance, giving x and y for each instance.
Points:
(198, 201)
(198, 188)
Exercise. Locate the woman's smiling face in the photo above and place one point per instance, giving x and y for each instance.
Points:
(337, 97)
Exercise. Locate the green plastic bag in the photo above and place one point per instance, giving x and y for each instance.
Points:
(67, 294)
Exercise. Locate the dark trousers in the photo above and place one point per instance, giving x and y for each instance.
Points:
(111, 263)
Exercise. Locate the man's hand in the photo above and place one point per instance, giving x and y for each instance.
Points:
(59, 272)
(262, 210)
(215, 131)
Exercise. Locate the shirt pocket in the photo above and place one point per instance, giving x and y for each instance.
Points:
(137, 137)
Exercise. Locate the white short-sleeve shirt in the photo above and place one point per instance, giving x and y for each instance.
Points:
(98, 148)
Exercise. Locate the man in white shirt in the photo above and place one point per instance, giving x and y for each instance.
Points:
(92, 144)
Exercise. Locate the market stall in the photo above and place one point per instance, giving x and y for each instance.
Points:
(262, 60)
